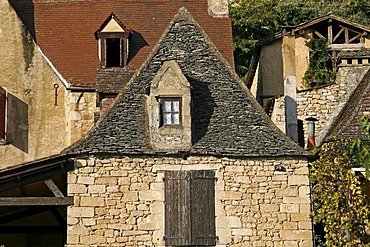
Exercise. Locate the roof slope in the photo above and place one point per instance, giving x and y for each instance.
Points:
(65, 30)
(226, 120)
(347, 124)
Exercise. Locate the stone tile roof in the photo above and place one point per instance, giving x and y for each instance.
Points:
(347, 124)
(64, 30)
(226, 119)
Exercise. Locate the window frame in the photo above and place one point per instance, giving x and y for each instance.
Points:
(3, 112)
(163, 112)
(123, 37)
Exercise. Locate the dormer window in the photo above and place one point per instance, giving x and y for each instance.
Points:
(171, 111)
(113, 43)
(169, 108)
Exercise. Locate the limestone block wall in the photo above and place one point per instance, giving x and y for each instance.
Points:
(324, 102)
(81, 111)
(120, 201)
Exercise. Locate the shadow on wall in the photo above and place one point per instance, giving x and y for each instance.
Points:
(137, 42)
(17, 123)
(25, 11)
(202, 109)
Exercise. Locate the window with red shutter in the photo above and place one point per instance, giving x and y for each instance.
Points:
(2, 113)
(190, 208)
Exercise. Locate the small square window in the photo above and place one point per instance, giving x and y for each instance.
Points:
(171, 111)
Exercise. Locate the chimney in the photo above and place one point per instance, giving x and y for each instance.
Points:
(290, 100)
(218, 8)
(311, 132)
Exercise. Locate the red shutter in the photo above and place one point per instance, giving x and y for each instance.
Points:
(177, 206)
(203, 228)
(2, 112)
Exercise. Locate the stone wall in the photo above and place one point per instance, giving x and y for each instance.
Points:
(120, 201)
(81, 111)
(323, 103)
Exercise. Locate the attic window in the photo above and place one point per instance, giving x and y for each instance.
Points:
(113, 43)
(113, 49)
(171, 111)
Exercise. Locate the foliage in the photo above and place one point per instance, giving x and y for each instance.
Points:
(320, 68)
(253, 20)
(360, 149)
(339, 200)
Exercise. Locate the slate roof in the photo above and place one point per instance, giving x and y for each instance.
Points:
(226, 119)
(64, 30)
(347, 125)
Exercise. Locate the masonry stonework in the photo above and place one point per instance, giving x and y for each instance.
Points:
(120, 201)
(324, 102)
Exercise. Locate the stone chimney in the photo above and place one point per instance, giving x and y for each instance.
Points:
(290, 95)
(218, 8)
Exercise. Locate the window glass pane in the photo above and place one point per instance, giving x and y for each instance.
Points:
(176, 118)
(176, 106)
(167, 106)
(167, 118)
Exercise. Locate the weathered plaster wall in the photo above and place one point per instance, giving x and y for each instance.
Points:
(301, 60)
(120, 201)
(36, 127)
(30, 85)
(323, 103)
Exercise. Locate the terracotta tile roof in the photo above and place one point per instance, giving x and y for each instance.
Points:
(226, 119)
(347, 124)
(65, 30)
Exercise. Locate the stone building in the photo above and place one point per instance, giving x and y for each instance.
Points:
(184, 155)
(35, 101)
(187, 157)
(65, 62)
(285, 55)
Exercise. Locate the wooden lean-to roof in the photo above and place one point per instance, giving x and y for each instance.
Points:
(226, 119)
(64, 30)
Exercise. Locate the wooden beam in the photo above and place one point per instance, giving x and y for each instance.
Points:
(54, 188)
(36, 201)
(330, 32)
(319, 34)
(358, 36)
(338, 34)
(346, 35)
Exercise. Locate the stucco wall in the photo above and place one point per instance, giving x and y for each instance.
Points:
(301, 60)
(120, 201)
(30, 86)
(39, 123)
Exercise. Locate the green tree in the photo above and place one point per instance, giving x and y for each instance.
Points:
(339, 199)
(340, 203)
(253, 20)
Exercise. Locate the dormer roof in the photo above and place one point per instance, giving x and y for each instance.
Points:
(113, 24)
(226, 120)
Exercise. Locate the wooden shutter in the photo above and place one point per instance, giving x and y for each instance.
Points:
(203, 231)
(177, 207)
(2, 112)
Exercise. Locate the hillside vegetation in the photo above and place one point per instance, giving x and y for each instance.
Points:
(253, 20)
